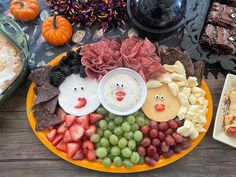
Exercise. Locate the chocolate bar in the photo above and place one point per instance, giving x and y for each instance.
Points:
(219, 39)
(222, 15)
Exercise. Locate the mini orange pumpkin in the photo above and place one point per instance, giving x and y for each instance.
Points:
(24, 10)
(56, 30)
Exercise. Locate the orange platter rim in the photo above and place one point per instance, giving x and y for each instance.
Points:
(97, 165)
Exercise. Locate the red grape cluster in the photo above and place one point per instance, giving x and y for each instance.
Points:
(161, 139)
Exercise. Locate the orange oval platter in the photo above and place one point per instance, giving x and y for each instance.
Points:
(97, 165)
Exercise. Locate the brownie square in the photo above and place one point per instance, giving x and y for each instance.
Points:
(219, 39)
(222, 15)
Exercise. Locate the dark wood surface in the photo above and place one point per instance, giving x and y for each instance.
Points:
(23, 155)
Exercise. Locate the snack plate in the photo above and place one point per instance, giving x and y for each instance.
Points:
(97, 165)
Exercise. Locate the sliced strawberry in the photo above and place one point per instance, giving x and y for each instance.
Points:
(71, 149)
(87, 144)
(82, 103)
(57, 139)
(76, 132)
(91, 155)
(79, 121)
(69, 120)
(91, 130)
(67, 138)
(85, 120)
(52, 127)
(79, 155)
(61, 114)
(61, 146)
(93, 118)
(51, 135)
(62, 128)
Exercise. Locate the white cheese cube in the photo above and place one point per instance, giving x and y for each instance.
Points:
(178, 77)
(192, 99)
(154, 84)
(192, 82)
(174, 88)
(181, 69)
(166, 78)
(186, 91)
(194, 134)
(182, 112)
(183, 100)
(170, 68)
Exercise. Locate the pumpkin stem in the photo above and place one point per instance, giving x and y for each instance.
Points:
(22, 4)
(54, 21)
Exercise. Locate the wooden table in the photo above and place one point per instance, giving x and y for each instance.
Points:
(23, 155)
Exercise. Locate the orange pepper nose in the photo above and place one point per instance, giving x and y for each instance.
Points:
(160, 107)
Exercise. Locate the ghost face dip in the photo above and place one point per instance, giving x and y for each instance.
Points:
(122, 91)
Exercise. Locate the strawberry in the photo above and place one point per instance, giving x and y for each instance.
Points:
(91, 130)
(51, 135)
(87, 144)
(57, 139)
(82, 103)
(79, 155)
(91, 155)
(76, 132)
(79, 121)
(67, 138)
(62, 128)
(85, 120)
(93, 118)
(71, 149)
(61, 146)
(69, 120)
(60, 113)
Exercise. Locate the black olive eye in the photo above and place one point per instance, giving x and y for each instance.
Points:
(75, 89)
(82, 88)
(117, 85)
(157, 97)
(162, 98)
(122, 85)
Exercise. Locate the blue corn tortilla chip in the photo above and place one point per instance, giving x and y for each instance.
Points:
(40, 76)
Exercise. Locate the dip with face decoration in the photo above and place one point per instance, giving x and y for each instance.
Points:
(122, 91)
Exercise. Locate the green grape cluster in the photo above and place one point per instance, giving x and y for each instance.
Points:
(118, 137)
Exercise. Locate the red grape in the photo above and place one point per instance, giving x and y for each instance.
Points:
(156, 157)
(145, 142)
(141, 151)
(177, 149)
(156, 142)
(168, 154)
(179, 122)
(169, 140)
(153, 133)
(172, 124)
(178, 138)
(169, 131)
(154, 124)
(145, 129)
(164, 147)
(161, 136)
(150, 161)
(163, 126)
(186, 143)
(151, 150)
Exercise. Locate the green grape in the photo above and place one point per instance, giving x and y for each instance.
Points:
(147, 122)
(127, 163)
(118, 120)
(107, 133)
(95, 138)
(113, 139)
(101, 152)
(131, 119)
(141, 114)
(125, 127)
(136, 114)
(135, 157)
(138, 136)
(110, 156)
(111, 126)
(99, 132)
(111, 115)
(122, 143)
(108, 149)
(128, 135)
(140, 121)
(126, 152)
(105, 142)
(106, 162)
(117, 161)
(102, 111)
(115, 151)
(134, 127)
(98, 145)
(103, 124)
(118, 131)
(131, 144)
(141, 160)
(107, 119)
